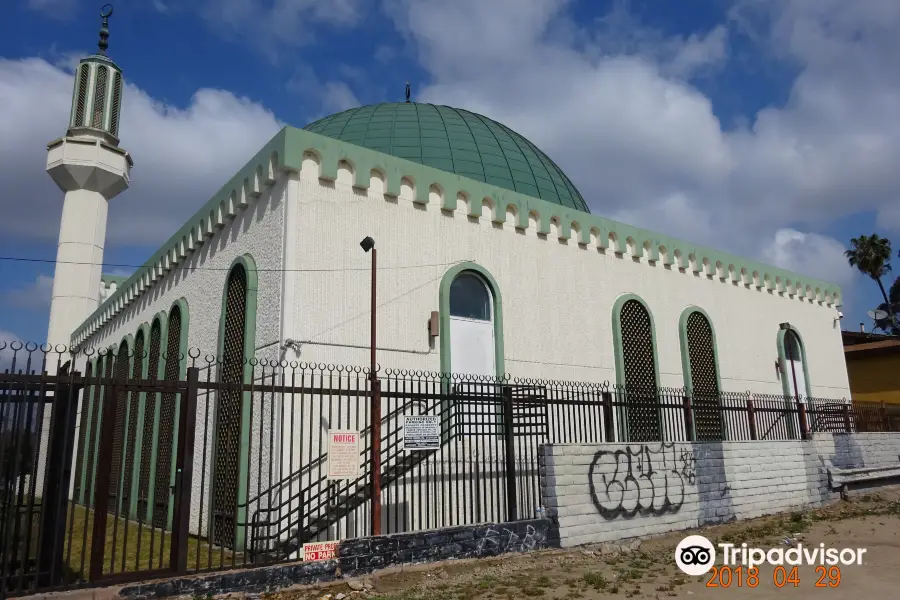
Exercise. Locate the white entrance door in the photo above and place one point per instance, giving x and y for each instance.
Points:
(795, 378)
(472, 347)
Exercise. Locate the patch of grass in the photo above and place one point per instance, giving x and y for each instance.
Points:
(595, 580)
(542, 581)
(533, 592)
(487, 582)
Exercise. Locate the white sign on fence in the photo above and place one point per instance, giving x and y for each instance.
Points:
(320, 550)
(343, 454)
(421, 432)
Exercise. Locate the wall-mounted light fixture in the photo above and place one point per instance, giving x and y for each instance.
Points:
(434, 324)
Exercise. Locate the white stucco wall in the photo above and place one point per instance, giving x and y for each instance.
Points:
(200, 281)
(557, 296)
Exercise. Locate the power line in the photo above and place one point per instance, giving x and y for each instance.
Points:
(120, 265)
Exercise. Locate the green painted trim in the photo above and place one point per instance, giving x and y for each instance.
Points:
(290, 144)
(101, 390)
(182, 305)
(686, 369)
(782, 363)
(139, 426)
(249, 344)
(88, 405)
(108, 279)
(154, 449)
(618, 353)
(444, 308)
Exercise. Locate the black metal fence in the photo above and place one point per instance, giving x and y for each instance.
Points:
(110, 475)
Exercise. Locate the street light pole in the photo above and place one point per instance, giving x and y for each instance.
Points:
(368, 245)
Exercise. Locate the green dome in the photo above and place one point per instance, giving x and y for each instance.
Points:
(457, 141)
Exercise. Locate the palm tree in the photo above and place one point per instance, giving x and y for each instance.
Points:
(892, 306)
(872, 256)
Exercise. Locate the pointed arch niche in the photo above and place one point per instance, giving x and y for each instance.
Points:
(792, 362)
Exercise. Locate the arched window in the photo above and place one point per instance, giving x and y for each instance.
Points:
(83, 437)
(472, 344)
(701, 375)
(149, 445)
(795, 375)
(131, 448)
(229, 409)
(172, 366)
(118, 441)
(101, 397)
(99, 102)
(633, 328)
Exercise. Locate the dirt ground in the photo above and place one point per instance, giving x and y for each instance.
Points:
(647, 570)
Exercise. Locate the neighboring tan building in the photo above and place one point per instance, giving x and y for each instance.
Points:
(873, 366)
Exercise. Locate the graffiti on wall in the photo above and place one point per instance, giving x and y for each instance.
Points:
(502, 539)
(641, 479)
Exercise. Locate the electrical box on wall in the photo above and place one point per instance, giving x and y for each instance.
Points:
(434, 324)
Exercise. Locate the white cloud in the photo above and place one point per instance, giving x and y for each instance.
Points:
(328, 96)
(615, 106)
(817, 255)
(35, 295)
(182, 155)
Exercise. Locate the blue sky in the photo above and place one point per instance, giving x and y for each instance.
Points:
(765, 128)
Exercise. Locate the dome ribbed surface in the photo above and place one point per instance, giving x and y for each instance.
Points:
(457, 141)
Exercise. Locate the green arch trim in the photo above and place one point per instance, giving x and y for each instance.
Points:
(685, 351)
(617, 337)
(444, 308)
(182, 305)
(139, 426)
(249, 265)
(160, 374)
(618, 352)
(782, 362)
(128, 344)
(87, 404)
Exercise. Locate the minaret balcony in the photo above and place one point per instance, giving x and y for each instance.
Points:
(85, 163)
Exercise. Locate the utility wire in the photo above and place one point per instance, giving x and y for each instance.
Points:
(120, 265)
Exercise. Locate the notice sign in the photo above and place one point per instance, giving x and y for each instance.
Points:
(343, 454)
(320, 551)
(421, 432)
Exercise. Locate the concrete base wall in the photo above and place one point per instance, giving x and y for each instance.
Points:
(606, 492)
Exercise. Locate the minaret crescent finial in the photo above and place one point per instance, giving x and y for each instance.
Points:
(105, 13)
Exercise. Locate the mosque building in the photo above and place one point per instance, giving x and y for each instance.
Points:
(489, 262)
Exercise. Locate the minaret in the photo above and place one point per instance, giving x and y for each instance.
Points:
(88, 165)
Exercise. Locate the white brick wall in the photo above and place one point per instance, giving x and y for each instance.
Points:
(606, 492)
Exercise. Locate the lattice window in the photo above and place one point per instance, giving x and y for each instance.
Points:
(115, 469)
(167, 423)
(116, 105)
(131, 431)
(149, 420)
(83, 439)
(101, 396)
(99, 97)
(642, 411)
(81, 98)
(704, 378)
(228, 415)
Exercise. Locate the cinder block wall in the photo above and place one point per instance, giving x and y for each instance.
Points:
(607, 492)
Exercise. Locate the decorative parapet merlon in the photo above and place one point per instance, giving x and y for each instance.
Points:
(291, 148)
(429, 185)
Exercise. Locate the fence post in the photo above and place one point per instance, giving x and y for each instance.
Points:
(184, 472)
(847, 426)
(688, 418)
(884, 417)
(751, 417)
(376, 455)
(801, 413)
(609, 432)
(511, 504)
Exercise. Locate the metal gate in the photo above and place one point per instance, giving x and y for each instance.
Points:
(54, 535)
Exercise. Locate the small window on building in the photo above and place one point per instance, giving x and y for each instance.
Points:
(470, 298)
